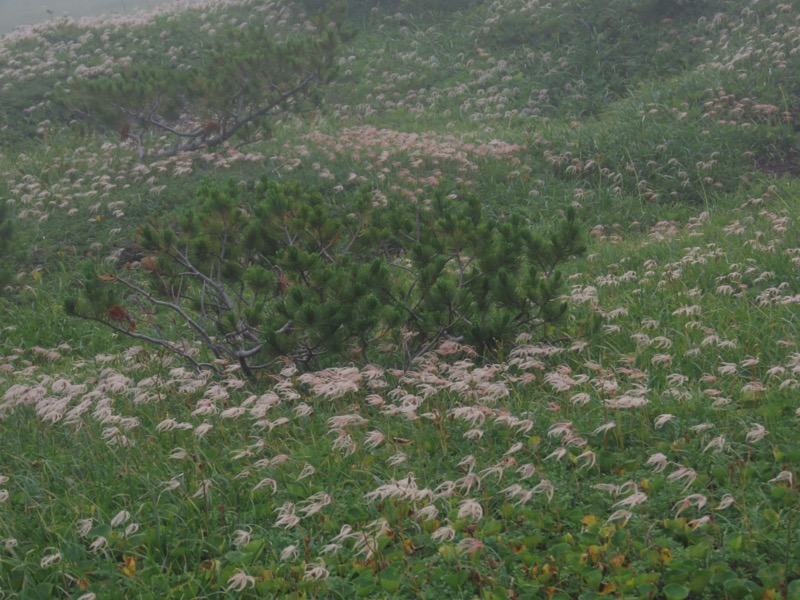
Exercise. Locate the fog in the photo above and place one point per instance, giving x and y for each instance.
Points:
(28, 12)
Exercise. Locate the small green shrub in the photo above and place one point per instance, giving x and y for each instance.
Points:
(278, 270)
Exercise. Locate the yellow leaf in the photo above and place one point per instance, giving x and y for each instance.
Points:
(129, 566)
(547, 574)
(666, 556)
(365, 563)
(589, 520)
(607, 588)
(618, 561)
(448, 552)
(607, 531)
(594, 552)
(550, 569)
(210, 566)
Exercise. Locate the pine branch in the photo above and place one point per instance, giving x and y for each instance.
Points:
(155, 341)
(195, 142)
(177, 309)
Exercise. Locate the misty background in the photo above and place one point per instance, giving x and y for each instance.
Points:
(28, 12)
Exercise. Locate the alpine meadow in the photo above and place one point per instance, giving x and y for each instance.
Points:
(480, 299)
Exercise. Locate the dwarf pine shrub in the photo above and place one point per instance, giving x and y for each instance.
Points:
(271, 270)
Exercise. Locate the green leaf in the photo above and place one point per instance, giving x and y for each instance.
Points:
(455, 580)
(698, 551)
(771, 575)
(592, 577)
(676, 591)
(390, 585)
(492, 527)
(236, 556)
(738, 588)
(734, 541)
(364, 587)
(42, 591)
(699, 580)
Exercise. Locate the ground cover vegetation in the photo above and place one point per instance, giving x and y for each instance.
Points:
(375, 359)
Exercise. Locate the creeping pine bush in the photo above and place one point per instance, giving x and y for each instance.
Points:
(275, 270)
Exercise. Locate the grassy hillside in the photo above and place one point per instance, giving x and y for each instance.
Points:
(644, 447)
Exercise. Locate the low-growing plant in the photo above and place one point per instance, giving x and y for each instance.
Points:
(278, 270)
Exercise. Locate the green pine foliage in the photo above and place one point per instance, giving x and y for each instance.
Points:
(276, 270)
